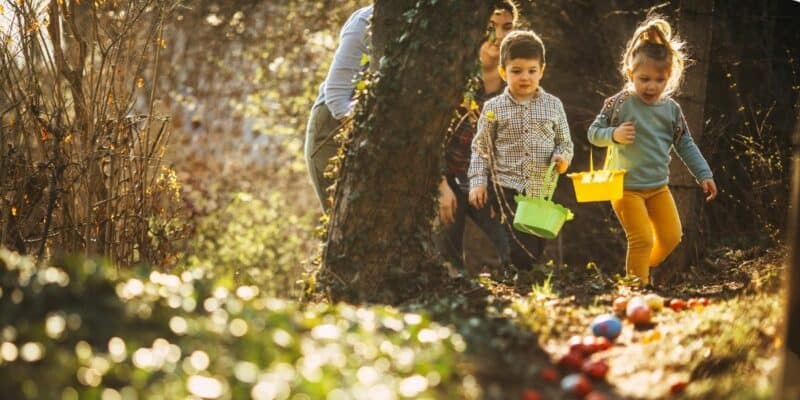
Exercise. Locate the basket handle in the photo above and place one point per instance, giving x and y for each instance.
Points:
(609, 156)
(605, 162)
(552, 181)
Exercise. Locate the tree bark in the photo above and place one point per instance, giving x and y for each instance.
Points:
(379, 245)
(790, 376)
(695, 25)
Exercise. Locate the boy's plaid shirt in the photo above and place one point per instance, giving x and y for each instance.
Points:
(520, 138)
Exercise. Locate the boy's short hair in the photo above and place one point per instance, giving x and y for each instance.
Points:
(521, 44)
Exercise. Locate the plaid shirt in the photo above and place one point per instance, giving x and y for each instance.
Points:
(526, 135)
(458, 148)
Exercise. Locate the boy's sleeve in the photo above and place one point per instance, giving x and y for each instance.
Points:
(563, 139)
(687, 149)
(601, 132)
(482, 147)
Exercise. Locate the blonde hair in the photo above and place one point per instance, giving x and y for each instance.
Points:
(653, 41)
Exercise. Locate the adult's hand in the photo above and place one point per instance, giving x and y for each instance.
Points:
(477, 197)
(625, 133)
(447, 203)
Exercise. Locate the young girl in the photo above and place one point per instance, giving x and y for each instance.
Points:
(641, 124)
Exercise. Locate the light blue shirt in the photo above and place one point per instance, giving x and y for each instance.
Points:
(660, 127)
(337, 90)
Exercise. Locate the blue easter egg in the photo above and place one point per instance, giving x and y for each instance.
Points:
(607, 325)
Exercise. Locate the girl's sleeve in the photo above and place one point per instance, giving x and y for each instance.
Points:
(601, 132)
(482, 147)
(563, 139)
(687, 149)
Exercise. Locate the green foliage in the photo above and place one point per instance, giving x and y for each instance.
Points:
(252, 241)
(89, 333)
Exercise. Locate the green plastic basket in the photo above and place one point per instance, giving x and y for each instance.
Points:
(540, 216)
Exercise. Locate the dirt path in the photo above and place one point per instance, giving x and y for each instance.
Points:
(517, 333)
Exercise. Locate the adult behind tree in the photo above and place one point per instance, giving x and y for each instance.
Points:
(334, 104)
(454, 206)
(379, 246)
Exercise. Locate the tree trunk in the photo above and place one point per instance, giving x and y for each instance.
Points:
(695, 25)
(379, 240)
(790, 377)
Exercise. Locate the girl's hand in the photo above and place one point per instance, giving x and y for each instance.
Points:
(561, 163)
(625, 133)
(447, 203)
(477, 197)
(709, 188)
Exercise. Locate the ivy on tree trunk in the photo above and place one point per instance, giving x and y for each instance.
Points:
(379, 245)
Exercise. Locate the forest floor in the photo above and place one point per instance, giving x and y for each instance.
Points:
(519, 332)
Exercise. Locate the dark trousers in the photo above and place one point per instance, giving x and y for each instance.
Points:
(525, 249)
(450, 238)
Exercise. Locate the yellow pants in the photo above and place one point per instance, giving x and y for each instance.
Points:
(652, 226)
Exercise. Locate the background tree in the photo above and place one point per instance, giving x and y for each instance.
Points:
(694, 23)
(379, 243)
(789, 386)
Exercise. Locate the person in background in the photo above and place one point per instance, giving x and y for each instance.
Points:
(454, 206)
(334, 104)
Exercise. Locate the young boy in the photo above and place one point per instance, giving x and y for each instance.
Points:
(520, 132)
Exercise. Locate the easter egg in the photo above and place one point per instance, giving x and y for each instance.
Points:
(634, 302)
(607, 326)
(595, 396)
(549, 374)
(602, 343)
(678, 387)
(654, 301)
(576, 344)
(677, 304)
(639, 315)
(620, 303)
(530, 394)
(571, 361)
(595, 369)
(576, 384)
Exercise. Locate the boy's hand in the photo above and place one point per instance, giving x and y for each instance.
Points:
(477, 197)
(709, 188)
(625, 133)
(447, 203)
(561, 163)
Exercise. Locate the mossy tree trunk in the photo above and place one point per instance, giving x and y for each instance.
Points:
(379, 245)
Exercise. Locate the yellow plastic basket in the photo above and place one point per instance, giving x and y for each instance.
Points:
(600, 185)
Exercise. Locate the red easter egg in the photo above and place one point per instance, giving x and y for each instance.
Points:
(677, 304)
(571, 361)
(549, 374)
(530, 394)
(595, 369)
(639, 315)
